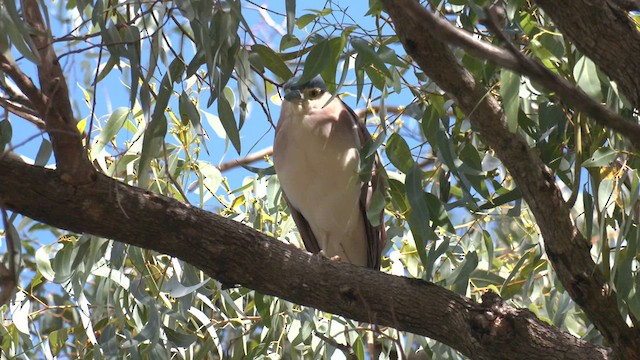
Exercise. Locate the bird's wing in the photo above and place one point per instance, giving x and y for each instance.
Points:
(309, 240)
(376, 235)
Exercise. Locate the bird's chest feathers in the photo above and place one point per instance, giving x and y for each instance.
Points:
(318, 160)
(321, 142)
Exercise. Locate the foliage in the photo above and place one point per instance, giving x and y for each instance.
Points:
(191, 81)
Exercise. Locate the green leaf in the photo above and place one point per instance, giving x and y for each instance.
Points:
(44, 153)
(132, 38)
(369, 56)
(12, 24)
(586, 77)
(509, 196)
(601, 157)
(6, 133)
(464, 271)
(330, 69)
(177, 290)
(419, 216)
(437, 212)
(189, 112)
(290, 7)
(43, 262)
(399, 153)
(376, 207)
(57, 340)
(228, 121)
(398, 196)
(272, 61)
(435, 252)
(305, 19)
(488, 244)
(114, 124)
(289, 41)
(20, 310)
(509, 91)
(316, 61)
(587, 203)
(179, 338)
(157, 128)
(508, 289)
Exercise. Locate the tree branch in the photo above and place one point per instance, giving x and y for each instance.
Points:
(566, 248)
(22, 111)
(235, 254)
(604, 32)
(524, 65)
(53, 102)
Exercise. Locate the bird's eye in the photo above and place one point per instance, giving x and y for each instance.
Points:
(314, 93)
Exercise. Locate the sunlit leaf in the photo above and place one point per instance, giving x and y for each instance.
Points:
(399, 153)
(509, 91)
(586, 76)
(272, 61)
(110, 129)
(227, 118)
(602, 156)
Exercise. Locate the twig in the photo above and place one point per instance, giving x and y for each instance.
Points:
(518, 62)
(347, 350)
(22, 111)
(251, 158)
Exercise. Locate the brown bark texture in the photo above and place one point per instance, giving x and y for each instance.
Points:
(53, 104)
(604, 32)
(235, 254)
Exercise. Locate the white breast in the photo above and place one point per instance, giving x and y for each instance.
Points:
(317, 164)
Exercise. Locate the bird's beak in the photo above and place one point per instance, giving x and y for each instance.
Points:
(293, 95)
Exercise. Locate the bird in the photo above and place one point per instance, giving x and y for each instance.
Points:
(316, 156)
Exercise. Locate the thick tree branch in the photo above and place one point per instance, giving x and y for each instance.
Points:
(606, 34)
(53, 102)
(515, 61)
(566, 248)
(235, 254)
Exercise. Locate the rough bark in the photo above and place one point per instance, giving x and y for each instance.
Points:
(235, 254)
(510, 57)
(566, 248)
(52, 101)
(606, 34)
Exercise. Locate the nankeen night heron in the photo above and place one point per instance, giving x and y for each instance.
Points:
(317, 158)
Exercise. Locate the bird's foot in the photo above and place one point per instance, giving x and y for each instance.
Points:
(334, 258)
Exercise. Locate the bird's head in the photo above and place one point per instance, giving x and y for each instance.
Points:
(313, 89)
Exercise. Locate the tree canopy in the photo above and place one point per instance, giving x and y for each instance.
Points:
(142, 218)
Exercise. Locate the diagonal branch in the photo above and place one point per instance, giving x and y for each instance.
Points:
(524, 65)
(233, 254)
(52, 102)
(604, 32)
(420, 32)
